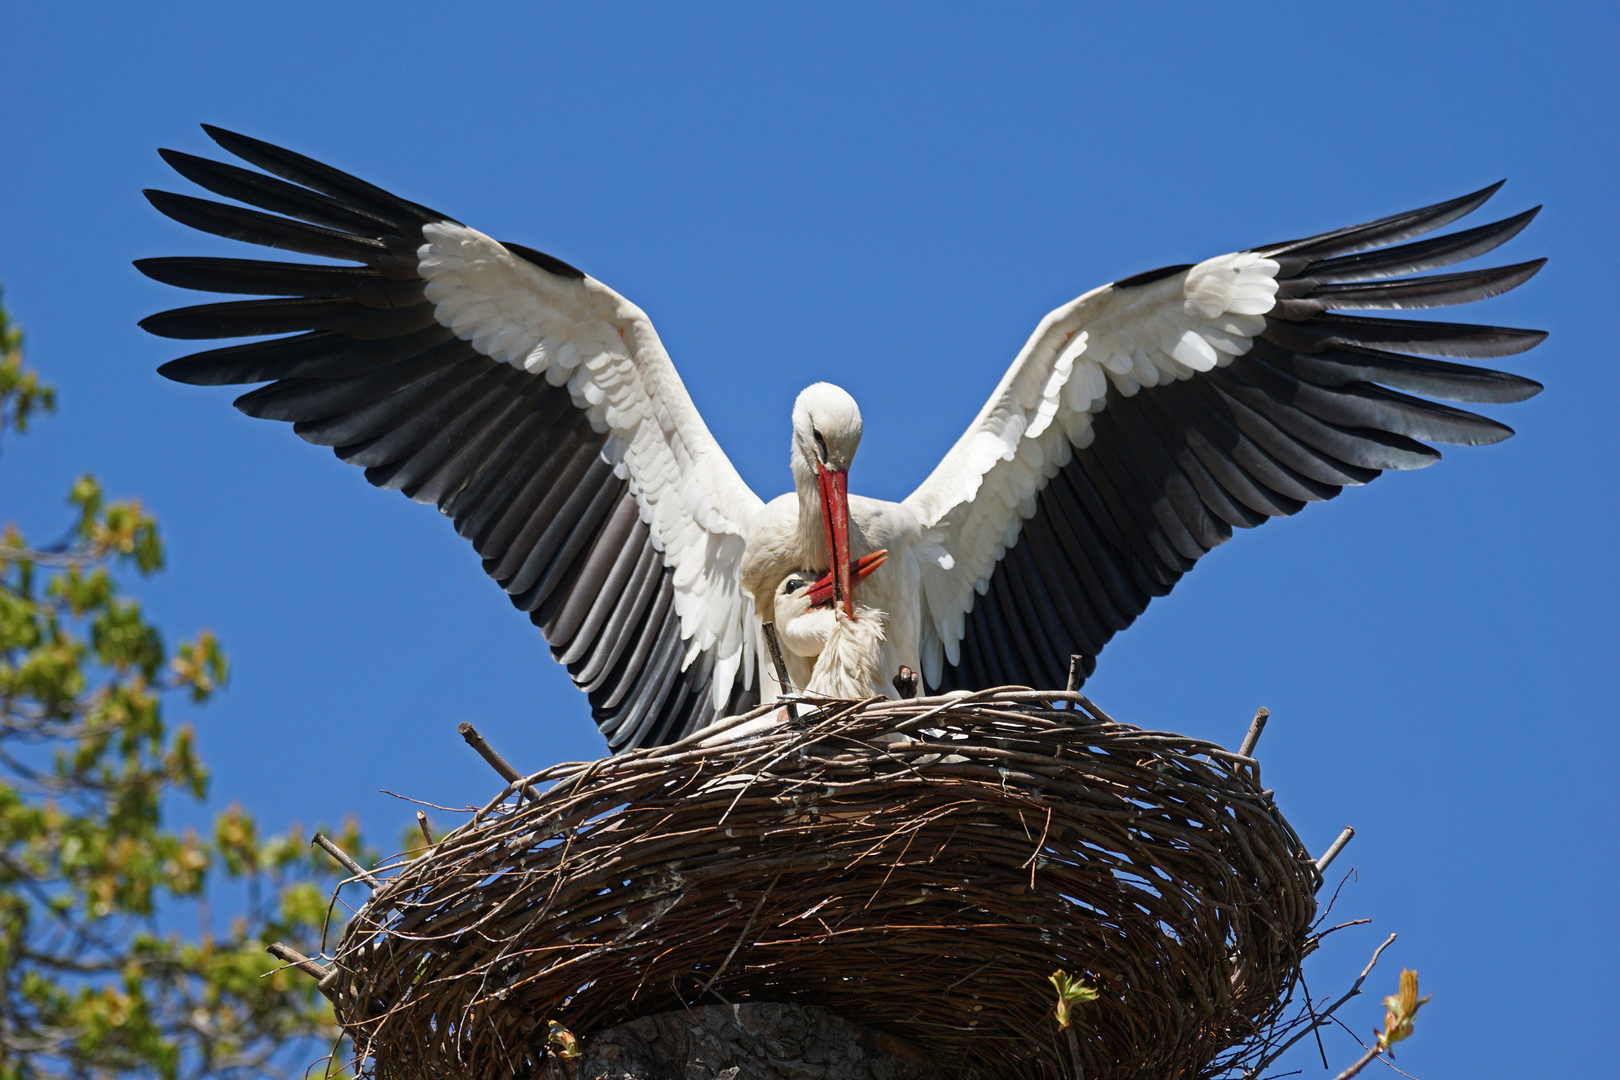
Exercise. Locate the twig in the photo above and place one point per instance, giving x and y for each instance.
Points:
(427, 830)
(747, 926)
(1075, 663)
(1361, 1063)
(1074, 1047)
(85, 556)
(1255, 728)
(496, 762)
(1316, 939)
(1334, 899)
(1333, 852)
(711, 730)
(782, 677)
(1355, 988)
(1310, 1011)
(289, 955)
(343, 859)
(424, 802)
(1091, 709)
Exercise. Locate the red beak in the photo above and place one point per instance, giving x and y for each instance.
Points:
(822, 591)
(835, 519)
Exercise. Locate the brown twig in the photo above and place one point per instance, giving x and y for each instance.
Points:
(1323, 1016)
(291, 956)
(1074, 1053)
(1333, 850)
(1361, 1063)
(342, 858)
(741, 936)
(1256, 726)
(783, 679)
(496, 762)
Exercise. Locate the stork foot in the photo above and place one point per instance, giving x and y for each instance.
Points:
(905, 681)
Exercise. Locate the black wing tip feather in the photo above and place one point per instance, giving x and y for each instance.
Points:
(178, 271)
(1519, 272)
(305, 170)
(376, 378)
(1435, 290)
(182, 370)
(185, 163)
(177, 207)
(1316, 406)
(1529, 387)
(1385, 230)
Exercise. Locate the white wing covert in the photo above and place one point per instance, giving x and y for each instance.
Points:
(1145, 420)
(531, 403)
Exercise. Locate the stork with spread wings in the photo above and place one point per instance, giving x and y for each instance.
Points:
(536, 407)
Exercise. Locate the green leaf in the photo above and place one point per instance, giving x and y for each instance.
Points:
(1071, 992)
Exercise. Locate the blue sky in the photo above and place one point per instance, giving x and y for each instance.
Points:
(890, 197)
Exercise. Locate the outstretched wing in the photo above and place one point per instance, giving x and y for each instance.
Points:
(1147, 419)
(532, 404)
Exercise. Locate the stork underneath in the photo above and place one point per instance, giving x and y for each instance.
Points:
(1138, 428)
(827, 650)
(831, 652)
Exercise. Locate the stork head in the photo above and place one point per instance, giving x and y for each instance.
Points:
(826, 433)
(804, 612)
(826, 430)
(803, 627)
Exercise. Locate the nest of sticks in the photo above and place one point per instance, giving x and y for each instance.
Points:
(920, 867)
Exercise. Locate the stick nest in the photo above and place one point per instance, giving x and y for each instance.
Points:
(920, 867)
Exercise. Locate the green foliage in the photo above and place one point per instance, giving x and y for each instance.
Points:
(1071, 992)
(21, 393)
(95, 980)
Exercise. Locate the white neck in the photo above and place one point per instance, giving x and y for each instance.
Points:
(812, 533)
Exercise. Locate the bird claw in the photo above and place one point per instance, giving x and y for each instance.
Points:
(905, 681)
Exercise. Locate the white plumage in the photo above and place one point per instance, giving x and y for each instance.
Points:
(583, 334)
(1042, 412)
(1139, 425)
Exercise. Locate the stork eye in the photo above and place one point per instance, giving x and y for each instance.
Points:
(821, 445)
(794, 585)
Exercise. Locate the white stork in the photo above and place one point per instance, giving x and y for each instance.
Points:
(830, 650)
(1139, 425)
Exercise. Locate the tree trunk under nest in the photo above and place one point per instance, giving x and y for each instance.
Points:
(747, 1042)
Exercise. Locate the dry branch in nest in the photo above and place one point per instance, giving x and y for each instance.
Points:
(920, 867)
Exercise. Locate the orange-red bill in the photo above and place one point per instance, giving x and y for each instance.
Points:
(822, 591)
(834, 486)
